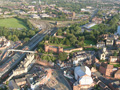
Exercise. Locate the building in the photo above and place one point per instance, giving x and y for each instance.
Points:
(35, 16)
(4, 42)
(54, 49)
(101, 44)
(113, 86)
(106, 69)
(88, 26)
(83, 77)
(81, 56)
(117, 74)
(109, 41)
(21, 81)
(97, 20)
(117, 42)
(38, 78)
(44, 15)
(25, 65)
(102, 54)
(114, 59)
(13, 86)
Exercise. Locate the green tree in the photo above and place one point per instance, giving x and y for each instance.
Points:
(62, 56)
(26, 39)
(115, 53)
(67, 42)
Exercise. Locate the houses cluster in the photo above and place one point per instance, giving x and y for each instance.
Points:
(73, 68)
(4, 42)
(33, 80)
(97, 20)
(108, 40)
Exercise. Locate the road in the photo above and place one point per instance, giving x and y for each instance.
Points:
(14, 60)
(57, 82)
(103, 79)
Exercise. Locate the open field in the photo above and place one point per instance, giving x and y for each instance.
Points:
(94, 27)
(13, 23)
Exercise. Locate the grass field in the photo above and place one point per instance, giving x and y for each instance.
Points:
(94, 27)
(89, 42)
(13, 23)
(64, 46)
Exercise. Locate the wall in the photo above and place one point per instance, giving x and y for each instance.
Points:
(69, 51)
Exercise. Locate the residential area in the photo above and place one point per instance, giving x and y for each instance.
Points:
(60, 45)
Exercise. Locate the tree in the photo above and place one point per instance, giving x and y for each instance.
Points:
(59, 32)
(62, 56)
(14, 38)
(67, 42)
(115, 53)
(81, 44)
(26, 39)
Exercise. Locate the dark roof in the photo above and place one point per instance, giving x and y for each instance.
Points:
(115, 86)
(107, 89)
(102, 84)
(96, 80)
(105, 65)
(117, 82)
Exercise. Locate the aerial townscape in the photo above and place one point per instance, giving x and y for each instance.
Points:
(59, 44)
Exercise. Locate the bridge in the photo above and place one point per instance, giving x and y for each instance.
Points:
(15, 50)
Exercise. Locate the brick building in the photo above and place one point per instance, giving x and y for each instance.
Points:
(55, 49)
(106, 69)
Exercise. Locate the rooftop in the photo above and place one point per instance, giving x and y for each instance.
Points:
(118, 72)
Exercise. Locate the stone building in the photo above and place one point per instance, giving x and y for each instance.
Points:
(24, 65)
(102, 53)
(54, 49)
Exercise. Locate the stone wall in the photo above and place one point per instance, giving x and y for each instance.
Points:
(69, 51)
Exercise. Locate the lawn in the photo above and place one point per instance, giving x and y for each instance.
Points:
(13, 23)
(116, 65)
(64, 46)
(90, 49)
(94, 27)
(89, 42)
